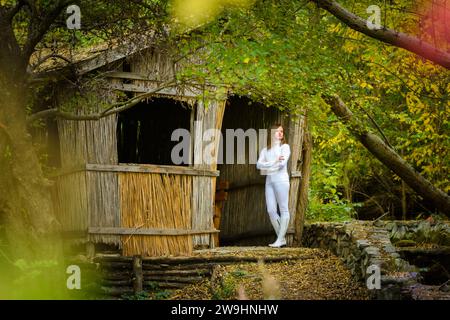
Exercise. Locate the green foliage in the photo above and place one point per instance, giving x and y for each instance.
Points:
(239, 273)
(138, 296)
(336, 210)
(226, 289)
(287, 55)
(257, 53)
(163, 294)
(37, 279)
(154, 293)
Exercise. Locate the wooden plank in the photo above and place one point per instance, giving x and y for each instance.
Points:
(204, 188)
(147, 231)
(127, 75)
(138, 277)
(144, 77)
(191, 131)
(66, 171)
(107, 56)
(148, 168)
(296, 174)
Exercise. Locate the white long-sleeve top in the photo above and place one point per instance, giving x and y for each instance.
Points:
(268, 163)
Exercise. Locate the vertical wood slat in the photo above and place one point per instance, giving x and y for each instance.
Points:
(158, 66)
(204, 187)
(70, 199)
(103, 192)
(298, 133)
(294, 140)
(218, 119)
(72, 135)
(103, 204)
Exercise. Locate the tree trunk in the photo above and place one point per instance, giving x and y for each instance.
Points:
(302, 202)
(437, 198)
(25, 191)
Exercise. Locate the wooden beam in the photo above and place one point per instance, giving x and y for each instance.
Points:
(148, 232)
(149, 168)
(296, 174)
(251, 234)
(66, 171)
(127, 75)
(205, 261)
(178, 92)
(140, 76)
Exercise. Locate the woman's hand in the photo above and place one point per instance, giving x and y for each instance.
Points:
(280, 158)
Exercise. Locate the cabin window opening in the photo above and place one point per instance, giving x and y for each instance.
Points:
(144, 131)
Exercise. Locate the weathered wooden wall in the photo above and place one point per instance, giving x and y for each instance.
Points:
(88, 198)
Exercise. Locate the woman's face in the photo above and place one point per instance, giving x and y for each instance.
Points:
(279, 133)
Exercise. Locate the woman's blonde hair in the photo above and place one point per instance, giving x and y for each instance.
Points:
(269, 135)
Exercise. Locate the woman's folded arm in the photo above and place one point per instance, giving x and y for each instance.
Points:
(286, 153)
(267, 165)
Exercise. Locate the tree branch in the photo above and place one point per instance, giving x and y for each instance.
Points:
(391, 159)
(14, 10)
(39, 27)
(377, 127)
(392, 37)
(115, 108)
(45, 58)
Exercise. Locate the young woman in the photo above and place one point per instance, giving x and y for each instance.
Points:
(272, 162)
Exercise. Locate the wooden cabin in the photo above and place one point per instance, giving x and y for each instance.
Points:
(118, 186)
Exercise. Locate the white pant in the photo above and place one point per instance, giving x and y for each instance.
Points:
(277, 193)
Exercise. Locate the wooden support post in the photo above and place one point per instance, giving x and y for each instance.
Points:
(137, 275)
(220, 196)
(90, 250)
(212, 240)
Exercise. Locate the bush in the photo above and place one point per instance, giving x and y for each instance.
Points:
(337, 210)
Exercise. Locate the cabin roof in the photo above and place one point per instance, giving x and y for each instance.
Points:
(87, 59)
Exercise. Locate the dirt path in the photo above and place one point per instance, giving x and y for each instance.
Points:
(316, 275)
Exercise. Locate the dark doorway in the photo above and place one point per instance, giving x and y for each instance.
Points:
(244, 220)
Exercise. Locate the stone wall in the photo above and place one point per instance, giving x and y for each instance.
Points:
(361, 244)
(415, 232)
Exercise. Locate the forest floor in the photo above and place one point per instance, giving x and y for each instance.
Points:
(313, 274)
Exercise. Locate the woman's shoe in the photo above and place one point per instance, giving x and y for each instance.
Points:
(281, 239)
(278, 244)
